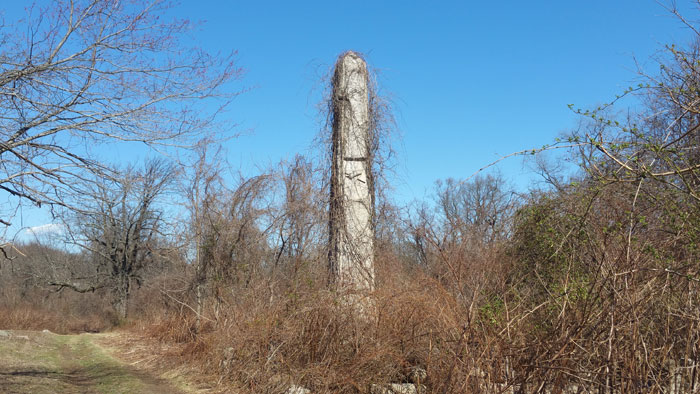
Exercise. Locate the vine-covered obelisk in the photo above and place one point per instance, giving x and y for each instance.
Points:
(351, 256)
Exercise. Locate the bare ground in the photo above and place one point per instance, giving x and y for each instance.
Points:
(43, 362)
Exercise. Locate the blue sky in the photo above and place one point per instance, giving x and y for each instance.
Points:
(470, 81)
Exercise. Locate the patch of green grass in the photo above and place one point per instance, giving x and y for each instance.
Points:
(67, 364)
(108, 375)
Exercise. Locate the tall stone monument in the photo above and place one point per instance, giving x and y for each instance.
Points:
(351, 256)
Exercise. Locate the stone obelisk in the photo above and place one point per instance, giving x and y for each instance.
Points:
(351, 256)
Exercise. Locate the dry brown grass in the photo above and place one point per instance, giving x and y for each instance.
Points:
(271, 336)
(58, 317)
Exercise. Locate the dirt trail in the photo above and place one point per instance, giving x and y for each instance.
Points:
(43, 362)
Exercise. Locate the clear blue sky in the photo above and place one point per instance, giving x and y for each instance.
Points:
(470, 81)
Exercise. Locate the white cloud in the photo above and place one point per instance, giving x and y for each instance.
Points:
(50, 228)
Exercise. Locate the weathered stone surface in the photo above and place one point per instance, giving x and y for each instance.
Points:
(294, 389)
(397, 388)
(352, 192)
(417, 375)
(227, 357)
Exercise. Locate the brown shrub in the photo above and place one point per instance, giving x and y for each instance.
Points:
(263, 341)
(39, 309)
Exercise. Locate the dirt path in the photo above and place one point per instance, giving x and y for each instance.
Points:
(43, 362)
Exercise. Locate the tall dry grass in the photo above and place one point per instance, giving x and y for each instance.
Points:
(274, 334)
(39, 309)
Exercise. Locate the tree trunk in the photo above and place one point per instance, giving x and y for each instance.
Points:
(200, 279)
(123, 292)
(200, 306)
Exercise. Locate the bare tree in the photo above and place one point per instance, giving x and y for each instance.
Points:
(299, 222)
(204, 190)
(119, 226)
(78, 73)
(480, 209)
(459, 238)
(234, 235)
